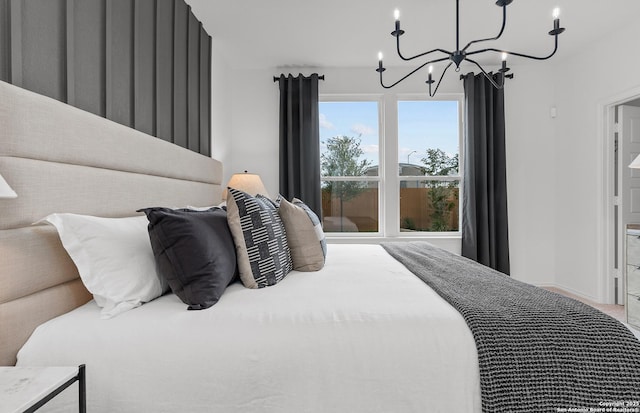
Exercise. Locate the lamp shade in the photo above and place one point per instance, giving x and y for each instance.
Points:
(246, 182)
(636, 163)
(5, 189)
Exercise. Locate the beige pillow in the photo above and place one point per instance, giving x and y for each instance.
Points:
(304, 235)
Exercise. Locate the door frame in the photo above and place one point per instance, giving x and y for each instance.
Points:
(605, 190)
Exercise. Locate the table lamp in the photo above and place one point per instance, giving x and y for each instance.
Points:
(246, 182)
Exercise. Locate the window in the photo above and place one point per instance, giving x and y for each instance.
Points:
(349, 160)
(429, 155)
(417, 191)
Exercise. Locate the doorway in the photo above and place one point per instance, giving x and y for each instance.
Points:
(620, 189)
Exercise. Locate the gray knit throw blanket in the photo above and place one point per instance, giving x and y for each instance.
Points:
(537, 351)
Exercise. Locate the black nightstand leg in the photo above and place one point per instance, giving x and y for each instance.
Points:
(82, 394)
(82, 386)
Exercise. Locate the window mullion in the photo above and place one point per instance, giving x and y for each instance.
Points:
(390, 201)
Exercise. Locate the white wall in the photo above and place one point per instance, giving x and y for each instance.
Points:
(530, 141)
(221, 109)
(605, 69)
(254, 138)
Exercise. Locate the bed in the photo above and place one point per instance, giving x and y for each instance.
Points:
(367, 333)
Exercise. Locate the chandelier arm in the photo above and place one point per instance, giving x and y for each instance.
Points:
(488, 76)
(504, 24)
(555, 49)
(418, 55)
(439, 81)
(410, 73)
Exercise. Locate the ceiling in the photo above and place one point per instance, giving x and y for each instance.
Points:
(349, 33)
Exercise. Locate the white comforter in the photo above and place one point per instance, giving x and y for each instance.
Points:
(362, 335)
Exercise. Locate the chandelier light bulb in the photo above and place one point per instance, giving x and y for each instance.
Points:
(397, 32)
(556, 13)
(504, 69)
(430, 78)
(380, 67)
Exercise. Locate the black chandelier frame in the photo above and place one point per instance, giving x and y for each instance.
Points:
(460, 55)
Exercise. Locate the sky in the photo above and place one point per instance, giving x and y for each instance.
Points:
(422, 125)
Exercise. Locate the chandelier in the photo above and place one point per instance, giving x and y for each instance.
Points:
(460, 55)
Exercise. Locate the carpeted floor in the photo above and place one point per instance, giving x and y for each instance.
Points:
(615, 311)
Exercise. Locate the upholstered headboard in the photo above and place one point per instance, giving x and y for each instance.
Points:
(61, 159)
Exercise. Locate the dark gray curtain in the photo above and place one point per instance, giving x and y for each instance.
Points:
(485, 234)
(300, 140)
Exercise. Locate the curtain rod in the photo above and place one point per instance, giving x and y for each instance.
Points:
(509, 76)
(277, 78)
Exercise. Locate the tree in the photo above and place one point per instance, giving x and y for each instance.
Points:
(438, 163)
(442, 195)
(342, 158)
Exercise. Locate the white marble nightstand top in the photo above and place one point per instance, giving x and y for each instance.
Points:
(22, 387)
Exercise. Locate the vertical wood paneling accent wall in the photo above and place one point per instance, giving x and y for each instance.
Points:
(143, 63)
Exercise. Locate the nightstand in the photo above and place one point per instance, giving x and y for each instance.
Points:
(26, 389)
(633, 275)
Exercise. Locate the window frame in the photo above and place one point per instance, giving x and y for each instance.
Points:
(363, 97)
(389, 177)
(459, 97)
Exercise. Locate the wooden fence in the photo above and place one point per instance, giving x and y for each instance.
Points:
(417, 210)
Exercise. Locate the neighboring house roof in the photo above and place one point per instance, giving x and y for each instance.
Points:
(406, 169)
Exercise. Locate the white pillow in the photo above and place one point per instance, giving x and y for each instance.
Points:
(114, 259)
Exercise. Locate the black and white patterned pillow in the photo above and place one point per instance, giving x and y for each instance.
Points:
(264, 257)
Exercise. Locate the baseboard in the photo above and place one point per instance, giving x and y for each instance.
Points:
(571, 291)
